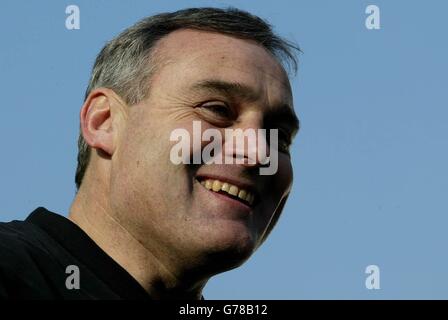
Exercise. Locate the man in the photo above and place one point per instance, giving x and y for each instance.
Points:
(143, 226)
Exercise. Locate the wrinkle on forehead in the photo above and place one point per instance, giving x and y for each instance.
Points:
(199, 53)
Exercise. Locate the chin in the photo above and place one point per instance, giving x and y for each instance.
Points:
(228, 249)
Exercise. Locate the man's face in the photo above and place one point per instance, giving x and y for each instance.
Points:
(164, 205)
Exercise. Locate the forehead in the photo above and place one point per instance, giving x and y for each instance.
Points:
(190, 55)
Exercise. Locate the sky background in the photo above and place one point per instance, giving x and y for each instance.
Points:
(371, 178)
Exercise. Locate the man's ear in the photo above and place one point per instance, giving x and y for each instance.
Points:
(98, 118)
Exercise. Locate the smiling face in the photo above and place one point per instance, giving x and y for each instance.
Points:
(198, 214)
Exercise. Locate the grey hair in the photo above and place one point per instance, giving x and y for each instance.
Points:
(124, 64)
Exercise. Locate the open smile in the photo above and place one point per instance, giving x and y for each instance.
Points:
(230, 190)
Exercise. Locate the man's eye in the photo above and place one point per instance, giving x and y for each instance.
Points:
(219, 109)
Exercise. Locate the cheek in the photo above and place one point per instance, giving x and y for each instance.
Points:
(282, 180)
(140, 177)
(277, 187)
(135, 163)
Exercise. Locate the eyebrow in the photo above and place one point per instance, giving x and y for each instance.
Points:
(284, 113)
(233, 89)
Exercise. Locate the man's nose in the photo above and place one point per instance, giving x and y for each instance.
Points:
(246, 143)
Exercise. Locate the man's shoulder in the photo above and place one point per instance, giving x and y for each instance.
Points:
(25, 262)
(17, 240)
(13, 228)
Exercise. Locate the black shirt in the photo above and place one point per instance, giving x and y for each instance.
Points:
(35, 254)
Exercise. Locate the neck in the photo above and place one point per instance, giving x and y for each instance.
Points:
(162, 280)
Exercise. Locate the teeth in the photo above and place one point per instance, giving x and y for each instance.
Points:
(233, 190)
(225, 187)
(216, 185)
(250, 198)
(208, 184)
(242, 194)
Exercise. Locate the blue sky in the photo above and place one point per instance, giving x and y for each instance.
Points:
(370, 161)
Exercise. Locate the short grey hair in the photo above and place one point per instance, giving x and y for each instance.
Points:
(124, 64)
